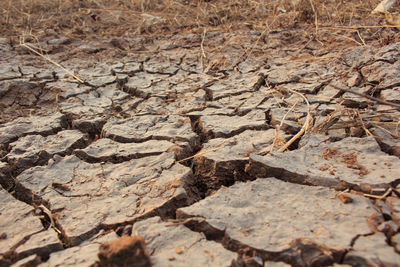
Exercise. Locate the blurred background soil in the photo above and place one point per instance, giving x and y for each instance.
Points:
(331, 23)
(79, 34)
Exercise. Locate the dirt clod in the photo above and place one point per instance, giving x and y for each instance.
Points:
(123, 252)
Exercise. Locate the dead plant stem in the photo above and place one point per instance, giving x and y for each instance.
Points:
(306, 125)
(217, 147)
(51, 61)
(203, 54)
(383, 102)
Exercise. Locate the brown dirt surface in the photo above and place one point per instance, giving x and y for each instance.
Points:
(199, 133)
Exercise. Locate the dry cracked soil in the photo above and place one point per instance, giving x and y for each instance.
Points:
(177, 142)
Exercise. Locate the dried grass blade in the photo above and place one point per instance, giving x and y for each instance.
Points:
(51, 61)
(306, 125)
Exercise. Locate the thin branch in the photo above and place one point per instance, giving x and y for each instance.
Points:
(380, 101)
(203, 54)
(51, 61)
(306, 125)
(219, 146)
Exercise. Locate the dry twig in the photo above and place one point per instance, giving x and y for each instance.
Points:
(380, 197)
(380, 101)
(203, 54)
(219, 146)
(276, 138)
(50, 60)
(306, 125)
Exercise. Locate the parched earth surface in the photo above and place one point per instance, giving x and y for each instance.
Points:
(177, 140)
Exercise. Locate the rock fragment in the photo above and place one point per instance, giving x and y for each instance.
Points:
(129, 68)
(20, 93)
(186, 102)
(396, 242)
(32, 260)
(309, 219)
(100, 75)
(284, 73)
(276, 264)
(178, 246)
(35, 74)
(389, 53)
(240, 104)
(139, 85)
(151, 106)
(353, 162)
(112, 92)
(358, 57)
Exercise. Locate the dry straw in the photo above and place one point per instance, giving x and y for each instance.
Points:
(30, 48)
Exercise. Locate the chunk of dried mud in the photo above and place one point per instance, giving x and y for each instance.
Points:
(124, 251)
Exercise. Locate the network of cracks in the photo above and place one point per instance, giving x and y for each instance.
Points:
(188, 157)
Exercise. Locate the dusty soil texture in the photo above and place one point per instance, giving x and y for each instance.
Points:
(206, 147)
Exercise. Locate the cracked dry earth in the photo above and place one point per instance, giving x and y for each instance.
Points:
(85, 163)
